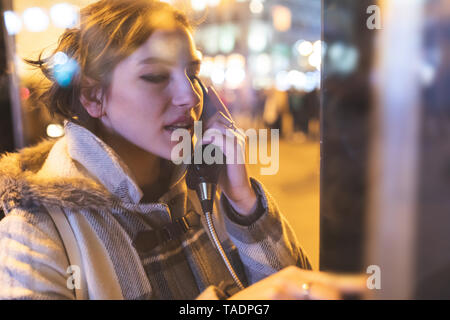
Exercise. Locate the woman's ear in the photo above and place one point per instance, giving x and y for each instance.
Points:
(92, 100)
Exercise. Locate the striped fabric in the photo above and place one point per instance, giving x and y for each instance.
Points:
(180, 268)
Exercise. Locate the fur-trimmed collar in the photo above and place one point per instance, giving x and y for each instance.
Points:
(78, 171)
(24, 184)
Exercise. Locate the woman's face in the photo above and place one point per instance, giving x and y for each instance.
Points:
(153, 92)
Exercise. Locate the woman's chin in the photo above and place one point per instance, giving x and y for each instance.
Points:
(163, 146)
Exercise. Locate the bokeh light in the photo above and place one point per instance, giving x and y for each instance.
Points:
(206, 67)
(312, 81)
(210, 39)
(257, 37)
(64, 69)
(281, 17)
(218, 70)
(305, 48)
(343, 58)
(317, 47)
(234, 77)
(256, 6)
(282, 81)
(64, 15)
(296, 79)
(213, 3)
(60, 58)
(199, 5)
(227, 38)
(199, 55)
(55, 130)
(218, 76)
(236, 60)
(315, 60)
(24, 93)
(260, 64)
(12, 22)
(35, 19)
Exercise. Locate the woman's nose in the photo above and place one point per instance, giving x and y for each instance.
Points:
(185, 94)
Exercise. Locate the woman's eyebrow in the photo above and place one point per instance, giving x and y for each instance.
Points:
(153, 60)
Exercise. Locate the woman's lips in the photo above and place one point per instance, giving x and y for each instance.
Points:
(180, 123)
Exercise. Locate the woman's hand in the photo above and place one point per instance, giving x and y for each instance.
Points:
(293, 283)
(234, 181)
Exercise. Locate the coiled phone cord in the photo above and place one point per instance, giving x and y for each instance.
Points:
(219, 247)
(194, 173)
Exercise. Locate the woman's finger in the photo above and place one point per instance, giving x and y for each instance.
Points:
(217, 117)
(226, 132)
(231, 125)
(229, 119)
(222, 118)
(226, 139)
(340, 283)
(227, 129)
(318, 291)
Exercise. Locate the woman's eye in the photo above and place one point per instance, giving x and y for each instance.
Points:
(155, 78)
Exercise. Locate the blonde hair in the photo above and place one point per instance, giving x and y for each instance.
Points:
(110, 30)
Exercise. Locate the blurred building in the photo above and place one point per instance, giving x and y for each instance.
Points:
(259, 44)
(248, 47)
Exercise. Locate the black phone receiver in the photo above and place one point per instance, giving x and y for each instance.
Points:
(203, 177)
(208, 110)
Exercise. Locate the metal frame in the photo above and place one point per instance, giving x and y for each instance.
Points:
(392, 211)
(19, 140)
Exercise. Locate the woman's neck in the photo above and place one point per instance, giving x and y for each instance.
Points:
(150, 171)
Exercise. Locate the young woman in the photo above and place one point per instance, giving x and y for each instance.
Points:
(139, 232)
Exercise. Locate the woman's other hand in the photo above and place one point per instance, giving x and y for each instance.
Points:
(293, 283)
